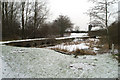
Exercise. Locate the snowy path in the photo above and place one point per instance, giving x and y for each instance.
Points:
(43, 63)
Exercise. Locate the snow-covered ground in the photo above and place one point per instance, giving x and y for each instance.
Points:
(44, 63)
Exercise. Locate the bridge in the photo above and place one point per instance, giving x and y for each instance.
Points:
(42, 42)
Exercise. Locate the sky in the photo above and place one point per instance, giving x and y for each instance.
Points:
(75, 9)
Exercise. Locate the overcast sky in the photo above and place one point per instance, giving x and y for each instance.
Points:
(75, 9)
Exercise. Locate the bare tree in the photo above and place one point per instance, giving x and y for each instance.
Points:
(23, 19)
(63, 23)
(6, 13)
(23, 25)
(27, 13)
(12, 12)
(35, 17)
(101, 14)
(10, 23)
(3, 12)
(40, 13)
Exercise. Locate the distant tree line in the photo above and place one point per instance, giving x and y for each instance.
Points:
(21, 20)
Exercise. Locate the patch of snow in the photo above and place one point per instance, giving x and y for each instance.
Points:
(115, 51)
(75, 40)
(79, 35)
(95, 28)
(95, 49)
(74, 35)
(78, 46)
(71, 47)
(91, 39)
(98, 36)
(2, 42)
(64, 38)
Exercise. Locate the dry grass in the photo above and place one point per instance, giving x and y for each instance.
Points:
(89, 43)
(83, 52)
(106, 46)
(76, 52)
(72, 43)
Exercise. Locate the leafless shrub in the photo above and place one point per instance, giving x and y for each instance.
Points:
(83, 52)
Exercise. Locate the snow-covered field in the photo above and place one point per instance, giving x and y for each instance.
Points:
(44, 63)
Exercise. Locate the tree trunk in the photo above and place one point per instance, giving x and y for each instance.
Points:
(6, 13)
(11, 17)
(106, 23)
(23, 5)
(35, 19)
(3, 14)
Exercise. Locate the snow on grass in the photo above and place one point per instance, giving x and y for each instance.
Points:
(71, 47)
(43, 63)
(95, 49)
(76, 44)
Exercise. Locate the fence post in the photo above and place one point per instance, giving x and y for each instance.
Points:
(112, 48)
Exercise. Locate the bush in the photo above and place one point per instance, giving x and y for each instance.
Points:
(114, 33)
(83, 52)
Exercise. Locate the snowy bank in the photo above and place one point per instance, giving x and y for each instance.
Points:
(43, 63)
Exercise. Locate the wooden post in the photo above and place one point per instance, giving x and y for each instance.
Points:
(112, 48)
